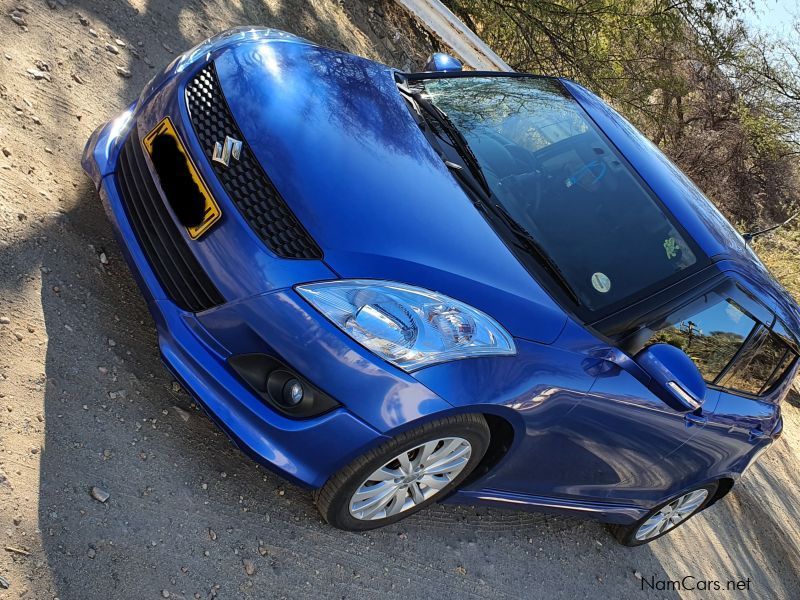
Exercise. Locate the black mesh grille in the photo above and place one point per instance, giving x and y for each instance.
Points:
(176, 268)
(244, 180)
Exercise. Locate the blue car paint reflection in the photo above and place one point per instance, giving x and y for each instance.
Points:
(339, 143)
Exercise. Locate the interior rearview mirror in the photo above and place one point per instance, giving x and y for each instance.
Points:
(676, 379)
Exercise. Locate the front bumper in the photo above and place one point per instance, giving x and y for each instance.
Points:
(306, 451)
(261, 314)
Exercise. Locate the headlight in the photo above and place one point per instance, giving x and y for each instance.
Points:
(408, 326)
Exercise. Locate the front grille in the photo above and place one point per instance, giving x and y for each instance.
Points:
(176, 268)
(245, 180)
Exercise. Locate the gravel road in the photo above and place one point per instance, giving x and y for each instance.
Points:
(84, 401)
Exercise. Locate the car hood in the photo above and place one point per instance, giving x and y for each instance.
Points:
(338, 142)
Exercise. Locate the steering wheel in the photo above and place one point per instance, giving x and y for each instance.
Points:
(588, 175)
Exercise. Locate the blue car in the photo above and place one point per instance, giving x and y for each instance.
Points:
(473, 287)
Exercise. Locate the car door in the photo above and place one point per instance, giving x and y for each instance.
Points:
(748, 407)
(723, 331)
(624, 442)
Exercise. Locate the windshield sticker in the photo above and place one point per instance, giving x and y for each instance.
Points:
(671, 246)
(601, 282)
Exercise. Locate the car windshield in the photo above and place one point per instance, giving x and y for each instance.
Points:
(562, 182)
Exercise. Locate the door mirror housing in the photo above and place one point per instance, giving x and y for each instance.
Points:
(675, 377)
(439, 61)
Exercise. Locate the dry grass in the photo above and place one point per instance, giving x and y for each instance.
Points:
(780, 251)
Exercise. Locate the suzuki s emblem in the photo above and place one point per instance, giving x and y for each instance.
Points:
(223, 152)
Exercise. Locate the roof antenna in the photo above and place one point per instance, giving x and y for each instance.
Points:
(750, 236)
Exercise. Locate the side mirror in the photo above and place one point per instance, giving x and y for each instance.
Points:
(677, 380)
(440, 61)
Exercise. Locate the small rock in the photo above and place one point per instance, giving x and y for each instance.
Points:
(119, 42)
(123, 72)
(249, 567)
(18, 336)
(176, 387)
(38, 74)
(637, 574)
(164, 594)
(17, 520)
(212, 534)
(4, 583)
(77, 78)
(460, 570)
(92, 32)
(18, 18)
(262, 550)
(103, 258)
(100, 494)
(112, 48)
(83, 20)
(91, 552)
(6, 151)
(111, 342)
(4, 320)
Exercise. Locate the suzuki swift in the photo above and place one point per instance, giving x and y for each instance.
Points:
(477, 287)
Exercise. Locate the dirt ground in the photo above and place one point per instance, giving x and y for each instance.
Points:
(85, 402)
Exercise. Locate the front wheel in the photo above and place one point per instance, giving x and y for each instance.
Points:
(405, 474)
(665, 517)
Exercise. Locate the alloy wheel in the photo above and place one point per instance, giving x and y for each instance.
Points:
(671, 515)
(410, 478)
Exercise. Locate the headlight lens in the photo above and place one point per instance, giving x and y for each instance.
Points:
(408, 326)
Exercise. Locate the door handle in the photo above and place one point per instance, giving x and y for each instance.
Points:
(693, 420)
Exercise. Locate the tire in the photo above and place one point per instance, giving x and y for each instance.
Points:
(382, 473)
(627, 534)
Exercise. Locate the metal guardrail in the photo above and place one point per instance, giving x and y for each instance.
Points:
(439, 20)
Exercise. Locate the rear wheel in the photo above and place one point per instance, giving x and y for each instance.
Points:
(405, 474)
(665, 517)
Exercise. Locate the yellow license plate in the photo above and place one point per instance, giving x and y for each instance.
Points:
(211, 210)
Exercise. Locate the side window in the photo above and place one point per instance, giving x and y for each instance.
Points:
(765, 367)
(711, 334)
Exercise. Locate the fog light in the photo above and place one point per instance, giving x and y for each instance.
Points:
(293, 392)
(281, 387)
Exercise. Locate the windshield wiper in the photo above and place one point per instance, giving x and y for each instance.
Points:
(527, 242)
(427, 110)
(479, 189)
